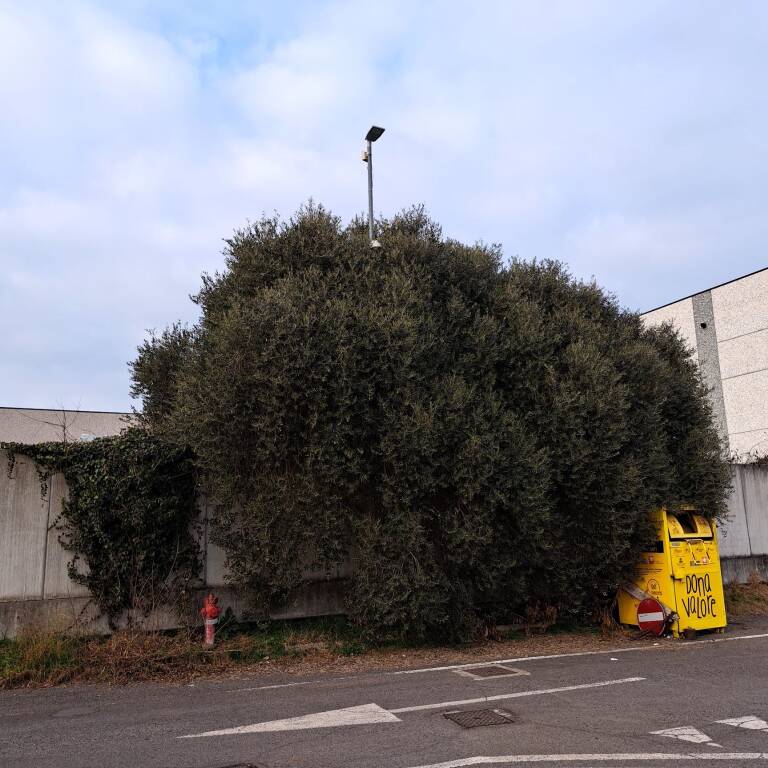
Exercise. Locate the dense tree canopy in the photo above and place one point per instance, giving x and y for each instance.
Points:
(477, 436)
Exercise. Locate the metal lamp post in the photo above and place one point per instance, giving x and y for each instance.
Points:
(373, 134)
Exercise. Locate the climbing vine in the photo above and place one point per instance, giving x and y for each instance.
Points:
(128, 519)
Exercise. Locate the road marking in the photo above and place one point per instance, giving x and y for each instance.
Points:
(517, 695)
(654, 647)
(293, 685)
(367, 714)
(362, 715)
(598, 758)
(750, 722)
(687, 733)
(271, 687)
(518, 659)
(503, 672)
(276, 685)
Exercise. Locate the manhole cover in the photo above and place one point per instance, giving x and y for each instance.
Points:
(241, 765)
(492, 670)
(475, 718)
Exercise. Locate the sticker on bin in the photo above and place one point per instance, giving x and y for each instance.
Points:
(650, 616)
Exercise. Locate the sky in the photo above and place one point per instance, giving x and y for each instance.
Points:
(629, 140)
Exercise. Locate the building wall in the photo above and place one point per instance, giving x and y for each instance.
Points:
(680, 314)
(727, 329)
(38, 425)
(35, 588)
(741, 313)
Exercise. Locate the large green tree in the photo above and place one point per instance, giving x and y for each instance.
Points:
(476, 436)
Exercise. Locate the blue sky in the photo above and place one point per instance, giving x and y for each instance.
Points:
(629, 140)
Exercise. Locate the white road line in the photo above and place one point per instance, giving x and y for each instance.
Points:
(687, 733)
(292, 685)
(277, 685)
(503, 672)
(508, 661)
(516, 695)
(365, 714)
(750, 722)
(597, 758)
(518, 659)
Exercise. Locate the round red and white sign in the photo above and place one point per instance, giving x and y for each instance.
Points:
(650, 616)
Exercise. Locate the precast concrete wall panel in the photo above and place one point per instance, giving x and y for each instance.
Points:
(733, 534)
(680, 314)
(23, 530)
(57, 581)
(728, 325)
(214, 570)
(755, 490)
(741, 320)
(741, 570)
(34, 425)
(741, 307)
(755, 442)
(744, 354)
(746, 403)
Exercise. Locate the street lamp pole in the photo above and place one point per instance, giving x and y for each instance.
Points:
(370, 190)
(373, 134)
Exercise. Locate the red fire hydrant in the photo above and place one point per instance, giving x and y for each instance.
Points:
(210, 613)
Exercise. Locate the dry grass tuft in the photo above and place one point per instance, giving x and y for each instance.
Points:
(750, 599)
(37, 658)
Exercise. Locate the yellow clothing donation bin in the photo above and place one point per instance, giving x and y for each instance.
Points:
(682, 575)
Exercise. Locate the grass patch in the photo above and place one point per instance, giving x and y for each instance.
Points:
(41, 659)
(306, 646)
(38, 658)
(750, 599)
(44, 659)
(351, 648)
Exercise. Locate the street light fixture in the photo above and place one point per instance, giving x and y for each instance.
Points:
(373, 134)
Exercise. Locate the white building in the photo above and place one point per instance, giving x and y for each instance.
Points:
(727, 328)
(42, 425)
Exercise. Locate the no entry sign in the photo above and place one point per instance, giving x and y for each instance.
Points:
(650, 616)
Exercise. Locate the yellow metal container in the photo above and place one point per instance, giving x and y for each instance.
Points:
(682, 573)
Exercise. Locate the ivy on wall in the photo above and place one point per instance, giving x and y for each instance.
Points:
(128, 519)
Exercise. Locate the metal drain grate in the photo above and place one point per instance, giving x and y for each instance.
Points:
(242, 765)
(238, 765)
(476, 718)
(492, 670)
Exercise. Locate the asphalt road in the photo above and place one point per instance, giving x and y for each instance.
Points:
(576, 710)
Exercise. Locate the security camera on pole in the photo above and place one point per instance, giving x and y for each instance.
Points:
(373, 134)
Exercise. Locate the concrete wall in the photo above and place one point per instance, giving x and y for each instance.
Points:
(741, 321)
(744, 537)
(23, 533)
(35, 588)
(680, 314)
(39, 425)
(727, 328)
